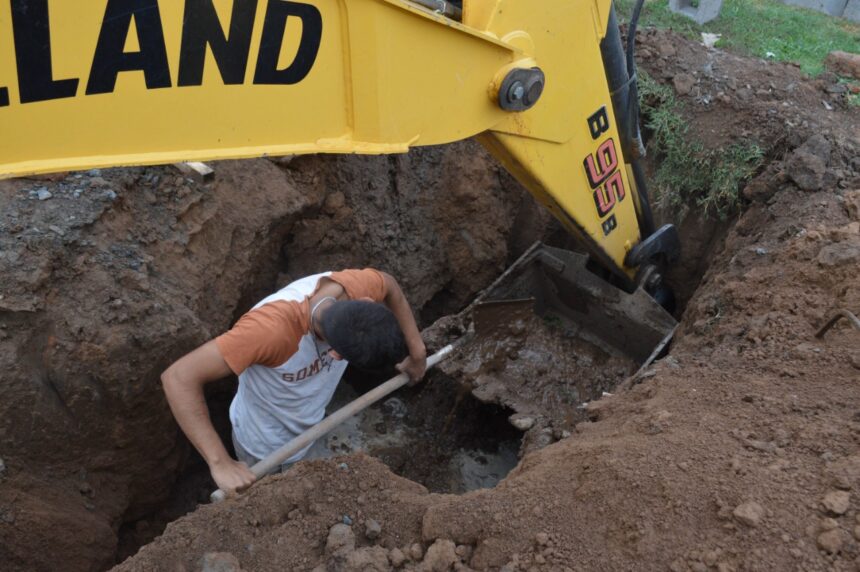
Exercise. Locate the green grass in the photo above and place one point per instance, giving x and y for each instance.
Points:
(689, 174)
(756, 27)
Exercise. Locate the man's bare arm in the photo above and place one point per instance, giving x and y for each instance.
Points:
(183, 385)
(416, 364)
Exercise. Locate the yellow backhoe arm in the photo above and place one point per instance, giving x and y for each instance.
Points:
(128, 82)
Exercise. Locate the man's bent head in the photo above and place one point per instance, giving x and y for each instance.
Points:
(364, 333)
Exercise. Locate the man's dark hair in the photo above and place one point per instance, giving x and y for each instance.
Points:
(364, 333)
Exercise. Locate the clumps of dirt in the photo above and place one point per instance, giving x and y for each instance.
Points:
(343, 556)
(331, 515)
(285, 521)
(543, 370)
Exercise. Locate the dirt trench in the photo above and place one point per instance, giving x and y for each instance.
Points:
(109, 275)
(737, 451)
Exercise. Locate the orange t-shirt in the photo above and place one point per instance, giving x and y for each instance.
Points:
(286, 375)
(270, 332)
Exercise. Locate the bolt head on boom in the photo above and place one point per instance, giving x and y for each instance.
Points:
(521, 89)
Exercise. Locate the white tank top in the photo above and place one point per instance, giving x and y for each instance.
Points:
(274, 405)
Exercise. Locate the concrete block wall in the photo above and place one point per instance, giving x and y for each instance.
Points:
(832, 7)
(849, 9)
(852, 11)
(706, 10)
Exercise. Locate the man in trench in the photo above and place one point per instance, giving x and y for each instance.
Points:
(290, 351)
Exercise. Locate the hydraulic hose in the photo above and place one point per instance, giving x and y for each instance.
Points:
(647, 217)
(646, 220)
(631, 36)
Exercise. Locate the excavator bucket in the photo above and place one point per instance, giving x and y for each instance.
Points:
(558, 285)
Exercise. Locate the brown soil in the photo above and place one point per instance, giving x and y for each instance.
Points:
(737, 451)
(121, 271)
(539, 368)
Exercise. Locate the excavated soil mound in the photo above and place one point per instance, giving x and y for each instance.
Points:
(737, 451)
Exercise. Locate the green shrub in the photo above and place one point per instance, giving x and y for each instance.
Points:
(689, 175)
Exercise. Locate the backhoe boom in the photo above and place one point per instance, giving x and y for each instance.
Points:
(129, 82)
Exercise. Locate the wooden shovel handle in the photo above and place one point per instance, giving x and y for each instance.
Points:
(289, 449)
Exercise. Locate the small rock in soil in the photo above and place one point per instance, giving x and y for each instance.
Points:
(522, 422)
(334, 202)
(43, 194)
(819, 146)
(416, 552)
(666, 49)
(396, 557)
(372, 529)
(464, 552)
(368, 559)
(219, 562)
(542, 538)
(683, 83)
(838, 254)
(440, 556)
(340, 540)
(828, 524)
(711, 558)
(837, 502)
(807, 170)
(831, 541)
(749, 513)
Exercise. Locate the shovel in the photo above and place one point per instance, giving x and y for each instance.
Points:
(273, 460)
